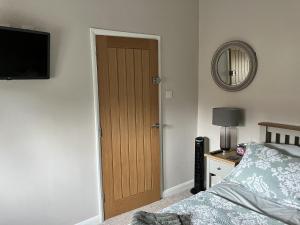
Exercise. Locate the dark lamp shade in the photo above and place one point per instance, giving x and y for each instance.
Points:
(226, 117)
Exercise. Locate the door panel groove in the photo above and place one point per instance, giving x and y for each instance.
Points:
(115, 115)
(147, 122)
(139, 118)
(123, 121)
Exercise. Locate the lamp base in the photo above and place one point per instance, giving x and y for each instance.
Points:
(225, 143)
(224, 152)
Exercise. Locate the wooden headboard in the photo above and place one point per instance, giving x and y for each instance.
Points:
(281, 133)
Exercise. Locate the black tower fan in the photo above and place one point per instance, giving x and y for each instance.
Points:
(199, 166)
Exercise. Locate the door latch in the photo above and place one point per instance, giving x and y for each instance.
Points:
(156, 125)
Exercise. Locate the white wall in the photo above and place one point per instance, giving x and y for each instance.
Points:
(47, 151)
(271, 27)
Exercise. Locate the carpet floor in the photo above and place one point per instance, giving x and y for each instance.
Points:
(124, 219)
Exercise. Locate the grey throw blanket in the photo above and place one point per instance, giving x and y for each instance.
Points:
(145, 218)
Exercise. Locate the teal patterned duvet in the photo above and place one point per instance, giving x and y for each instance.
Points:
(243, 197)
(208, 208)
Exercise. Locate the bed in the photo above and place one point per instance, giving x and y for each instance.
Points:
(263, 189)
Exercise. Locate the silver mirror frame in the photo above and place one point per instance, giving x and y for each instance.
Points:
(252, 68)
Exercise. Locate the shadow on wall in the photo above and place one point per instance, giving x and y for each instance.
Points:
(206, 145)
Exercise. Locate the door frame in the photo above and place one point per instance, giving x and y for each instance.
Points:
(93, 33)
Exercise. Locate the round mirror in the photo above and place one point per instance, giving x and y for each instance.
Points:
(234, 66)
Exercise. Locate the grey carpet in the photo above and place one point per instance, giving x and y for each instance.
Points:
(125, 218)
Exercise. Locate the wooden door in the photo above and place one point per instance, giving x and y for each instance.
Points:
(128, 109)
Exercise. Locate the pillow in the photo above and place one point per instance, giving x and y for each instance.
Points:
(292, 150)
(269, 174)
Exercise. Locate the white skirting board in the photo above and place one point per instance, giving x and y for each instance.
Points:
(92, 221)
(178, 188)
(169, 192)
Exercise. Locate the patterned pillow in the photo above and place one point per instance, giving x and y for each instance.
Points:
(292, 150)
(270, 174)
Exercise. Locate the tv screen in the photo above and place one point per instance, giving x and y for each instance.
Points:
(24, 54)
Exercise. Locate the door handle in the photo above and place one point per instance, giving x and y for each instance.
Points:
(156, 125)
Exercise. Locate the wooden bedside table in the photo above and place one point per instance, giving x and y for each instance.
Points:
(218, 166)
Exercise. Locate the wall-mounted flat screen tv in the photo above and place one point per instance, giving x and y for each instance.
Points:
(24, 54)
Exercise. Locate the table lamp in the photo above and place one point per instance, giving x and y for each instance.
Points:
(226, 118)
